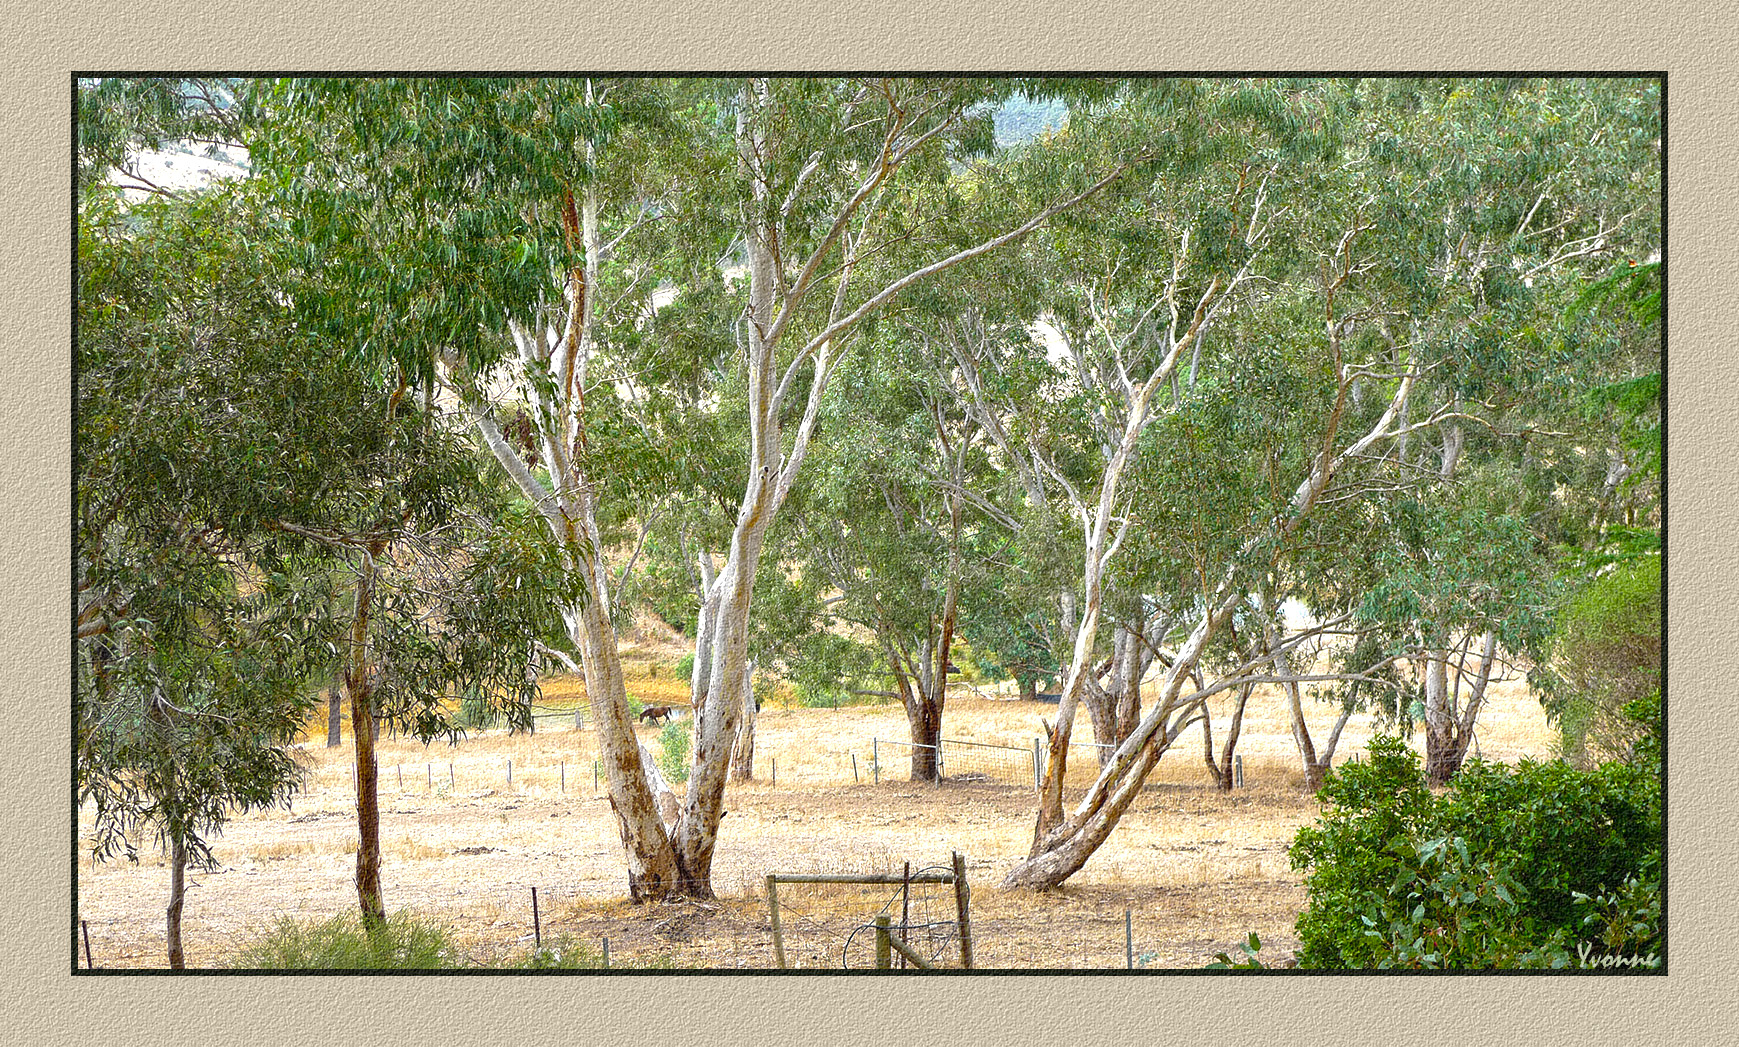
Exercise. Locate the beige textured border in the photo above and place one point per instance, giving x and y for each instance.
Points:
(45, 41)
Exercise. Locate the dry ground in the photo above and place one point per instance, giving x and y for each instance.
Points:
(1197, 870)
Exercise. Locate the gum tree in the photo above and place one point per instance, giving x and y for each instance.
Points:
(514, 232)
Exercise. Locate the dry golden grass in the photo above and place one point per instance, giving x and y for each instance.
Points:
(1196, 869)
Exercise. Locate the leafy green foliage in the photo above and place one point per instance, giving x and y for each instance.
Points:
(405, 943)
(340, 943)
(674, 743)
(1248, 959)
(1510, 868)
(1606, 655)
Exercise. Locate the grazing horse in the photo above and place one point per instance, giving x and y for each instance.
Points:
(656, 712)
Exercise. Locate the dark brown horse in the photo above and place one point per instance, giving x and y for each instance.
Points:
(656, 712)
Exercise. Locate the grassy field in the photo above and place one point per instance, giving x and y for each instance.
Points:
(1195, 870)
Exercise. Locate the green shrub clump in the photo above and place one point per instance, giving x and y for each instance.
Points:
(1542, 865)
(405, 943)
(340, 943)
(673, 745)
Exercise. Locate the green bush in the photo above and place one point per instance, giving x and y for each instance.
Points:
(673, 746)
(1606, 655)
(685, 666)
(1542, 865)
(340, 943)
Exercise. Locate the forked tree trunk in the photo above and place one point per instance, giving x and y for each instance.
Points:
(1115, 705)
(1060, 852)
(1449, 724)
(652, 866)
(1220, 768)
(923, 705)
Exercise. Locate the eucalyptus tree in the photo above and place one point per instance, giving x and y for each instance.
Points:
(886, 521)
(1534, 187)
(1328, 431)
(1132, 285)
(231, 471)
(512, 231)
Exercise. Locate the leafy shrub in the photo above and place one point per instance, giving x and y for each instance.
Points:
(1606, 655)
(340, 943)
(1251, 959)
(673, 746)
(685, 667)
(1529, 867)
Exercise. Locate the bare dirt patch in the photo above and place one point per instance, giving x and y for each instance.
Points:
(1195, 870)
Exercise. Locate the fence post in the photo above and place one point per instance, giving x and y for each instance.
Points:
(875, 762)
(884, 959)
(564, 776)
(86, 927)
(1237, 772)
(536, 924)
(963, 910)
(606, 954)
(905, 910)
(401, 769)
(452, 782)
(1129, 938)
(854, 776)
(429, 773)
(775, 770)
(1038, 779)
(510, 771)
(773, 914)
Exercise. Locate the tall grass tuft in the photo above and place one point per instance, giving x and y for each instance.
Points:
(339, 943)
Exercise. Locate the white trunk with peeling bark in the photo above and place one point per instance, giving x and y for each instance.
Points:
(1060, 851)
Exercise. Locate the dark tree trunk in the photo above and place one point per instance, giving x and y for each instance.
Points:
(926, 736)
(334, 701)
(177, 895)
(364, 727)
(1220, 769)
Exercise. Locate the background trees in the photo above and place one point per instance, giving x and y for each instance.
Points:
(1313, 383)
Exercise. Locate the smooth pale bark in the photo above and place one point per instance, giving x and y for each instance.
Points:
(1100, 546)
(1060, 852)
(780, 286)
(652, 865)
(1448, 724)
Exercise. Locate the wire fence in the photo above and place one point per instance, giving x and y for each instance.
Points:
(957, 761)
(829, 920)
